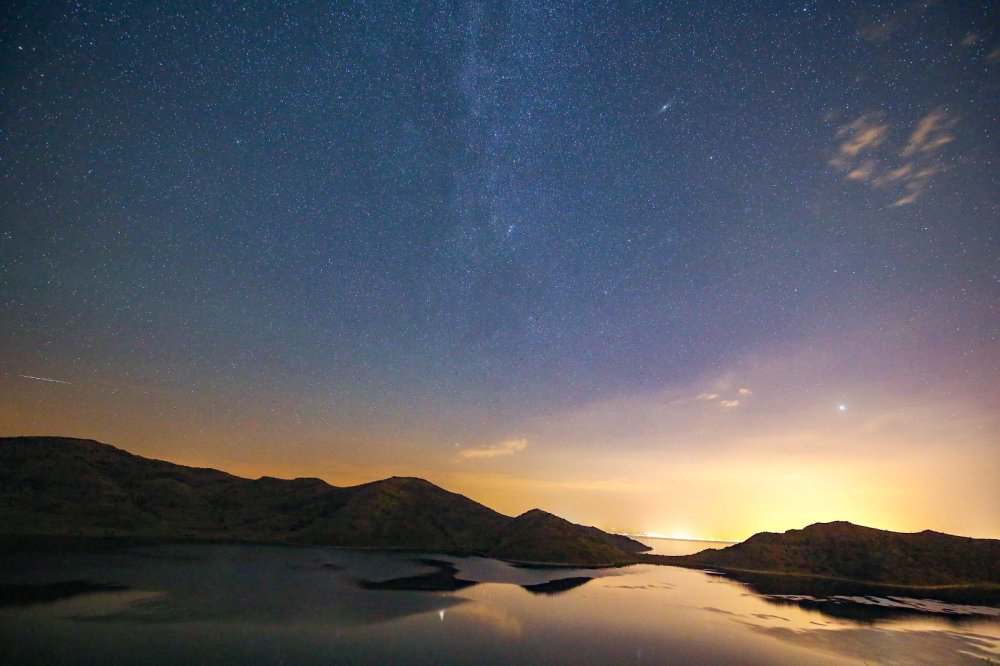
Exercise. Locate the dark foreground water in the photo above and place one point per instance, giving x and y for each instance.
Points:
(258, 604)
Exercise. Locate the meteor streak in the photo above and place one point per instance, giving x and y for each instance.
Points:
(45, 379)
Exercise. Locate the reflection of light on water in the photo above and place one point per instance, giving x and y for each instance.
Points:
(99, 604)
(923, 645)
(487, 614)
(646, 612)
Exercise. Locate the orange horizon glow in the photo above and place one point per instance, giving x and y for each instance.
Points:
(682, 462)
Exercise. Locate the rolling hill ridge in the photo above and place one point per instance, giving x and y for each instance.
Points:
(75, 487)
(842, 550)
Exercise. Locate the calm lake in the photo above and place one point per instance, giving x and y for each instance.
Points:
(258, 604)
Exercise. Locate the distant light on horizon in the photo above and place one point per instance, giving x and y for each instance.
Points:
(676, 536)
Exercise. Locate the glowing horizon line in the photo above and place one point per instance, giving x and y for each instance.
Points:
(649, 535)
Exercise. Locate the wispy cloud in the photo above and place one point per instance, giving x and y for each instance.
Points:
(866, 153)
(931, 133)
(725, 396)
(506, 448)
(892, 176)
(860, 136)
(863, 171)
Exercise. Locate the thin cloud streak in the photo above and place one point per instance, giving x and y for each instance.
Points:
(507, 448)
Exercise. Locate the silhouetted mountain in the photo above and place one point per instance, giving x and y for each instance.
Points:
(847, 551)
(538, 536)
(65, 486)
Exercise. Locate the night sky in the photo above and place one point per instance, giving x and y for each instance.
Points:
(691, 269)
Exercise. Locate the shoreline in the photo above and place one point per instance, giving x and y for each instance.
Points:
(709, 568)
(764, 582)
(11, 543)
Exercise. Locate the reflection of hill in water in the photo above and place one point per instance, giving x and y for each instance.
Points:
(868, 604)
(255, 585)
(228, 604)
(29, 595)
(344, 611)
(557, 586)
(442, 579)
(445, 579)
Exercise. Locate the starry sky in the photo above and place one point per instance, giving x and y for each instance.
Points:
(694, 269)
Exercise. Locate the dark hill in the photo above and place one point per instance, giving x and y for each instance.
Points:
(74, 487)
(851, 552)
(537, 536)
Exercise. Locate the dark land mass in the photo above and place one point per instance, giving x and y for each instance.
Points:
(27, 595)
(850, 552)
(558, 585)
(444, 579)
(769, 584)
(840, 558)
(848, 609)
(54, 488)
(61, 492)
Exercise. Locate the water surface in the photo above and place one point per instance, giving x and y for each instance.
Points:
(242, 603)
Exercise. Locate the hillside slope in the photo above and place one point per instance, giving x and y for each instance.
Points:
(65, 486)
(847, 551)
